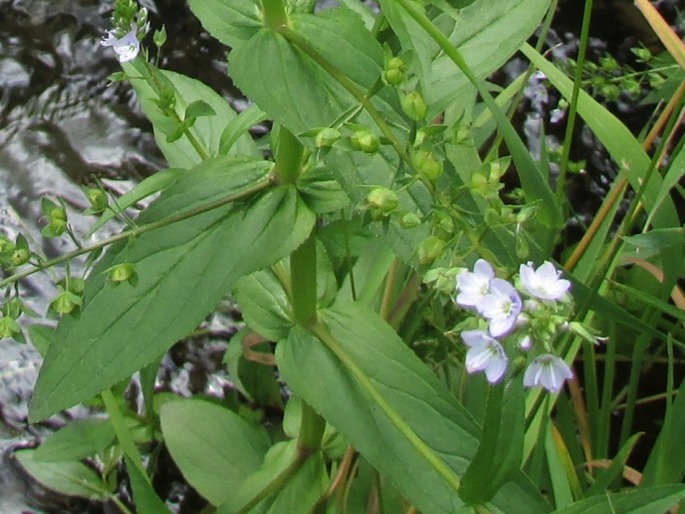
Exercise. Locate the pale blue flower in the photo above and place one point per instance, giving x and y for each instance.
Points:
(543, 283)
(485, 354)
(474, 285)
(126, 47)
(548, 371)
(501, 307)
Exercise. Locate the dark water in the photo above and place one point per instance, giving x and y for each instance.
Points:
(61, 126)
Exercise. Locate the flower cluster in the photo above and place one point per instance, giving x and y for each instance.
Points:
(529, 314)
(130, 24)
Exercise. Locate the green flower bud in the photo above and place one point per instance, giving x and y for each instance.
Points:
(425, 163)
(20, 256)
(430, 249)
(65, 303)
(159, 37)
(394, 71)
(479, 184)
(124, 272)
(77, 285)
(410, 220)
(8, 328)
(414, 106)
(98, 200)
(443, 221)
(443, 279)
(326, 137)
(382, 199)
(365, 140)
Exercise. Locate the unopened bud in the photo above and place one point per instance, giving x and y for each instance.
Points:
(65, 303)
(159, 37)
(365, 140)
(410, 220)
(20, 256)
(326, 137)
(8, 328)
(425, 163)
(414, 106)
(394, 71)
(98, 200)
(383, 199)
(430, 249)
(124, 272)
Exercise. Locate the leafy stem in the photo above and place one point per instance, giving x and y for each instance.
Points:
(148, 72)
(362, 97)
(136, 231)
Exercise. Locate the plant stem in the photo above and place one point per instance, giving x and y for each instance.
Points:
(303, 281)
(126, 442)
(274, 14)
(312, 426)
(288, 158)
(147, 71)
(351, 87)
(532, 180)
(427, 453)
(136, 231)
(573, 107)
(276, 484)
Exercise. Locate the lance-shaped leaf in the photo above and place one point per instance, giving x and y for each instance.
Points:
(372, 388)
(635, 501)
(184, 268)
(215, 449)
(206, 129)
(230, 21)
(487, 33)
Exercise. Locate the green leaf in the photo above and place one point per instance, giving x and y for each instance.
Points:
(256, 381)
(239, 126)
(501, 446)
(303, 490)
(207, 129)
(184, 269)
(40, 336)
(198, 109)
(144, 495)
(321, 191)
(69, 478)
(636, 501)
(487, 33)
(286, 482)
(607, 476)
(286, 84)
(151, 185)
(340, 37)
(666, 462)
(624, 149)
(364, 380)
(214, 448)
(265, 304)
(658, 239)
(280, 457)
(230, 21)
(78, 440)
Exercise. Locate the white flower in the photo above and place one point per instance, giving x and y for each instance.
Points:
(501, 307)
(127, 47)
(474, 285)
(485, 354)
(548, 371)
(543, 283)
